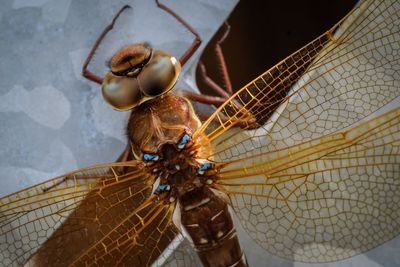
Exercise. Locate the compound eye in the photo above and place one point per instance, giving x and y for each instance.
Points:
(120, 92)
(150, 157)
(182, 143)
(159, 75)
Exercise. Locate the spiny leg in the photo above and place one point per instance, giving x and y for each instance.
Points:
(223, 93)
(226, 91)
(210, 100)
(210, 82)
(126, 155)
(197, 41)
(246, 120)
(87, 73)
(204, 99)
(221, 60)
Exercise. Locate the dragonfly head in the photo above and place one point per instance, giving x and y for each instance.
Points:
(139, 73)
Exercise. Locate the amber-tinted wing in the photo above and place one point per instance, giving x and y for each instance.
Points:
(63, 219)
(355, 74)
(324, 199)
(136, 241)
(312, 183)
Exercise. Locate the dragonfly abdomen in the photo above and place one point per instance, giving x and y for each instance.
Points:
(207, 222)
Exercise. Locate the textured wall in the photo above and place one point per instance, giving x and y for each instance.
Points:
(53, 121)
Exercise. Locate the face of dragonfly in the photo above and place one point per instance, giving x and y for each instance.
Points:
(139, 74)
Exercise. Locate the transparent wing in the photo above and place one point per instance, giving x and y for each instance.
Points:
(137, 241)
(324, 199)
(180, 253)
(61, 219)
(309, 182)
(355, 74)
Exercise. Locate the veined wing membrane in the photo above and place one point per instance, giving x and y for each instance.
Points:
(325, 199)
(355, 74)
(137, 241)
(302, 189)
(180, 253)
(65, 215)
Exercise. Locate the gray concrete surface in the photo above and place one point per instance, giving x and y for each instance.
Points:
(53, 121)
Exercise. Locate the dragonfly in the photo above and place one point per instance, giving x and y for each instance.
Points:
(307, 155)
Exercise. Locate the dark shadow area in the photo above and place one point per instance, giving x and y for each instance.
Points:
(265, 32)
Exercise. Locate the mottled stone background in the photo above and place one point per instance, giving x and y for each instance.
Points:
(53, 121)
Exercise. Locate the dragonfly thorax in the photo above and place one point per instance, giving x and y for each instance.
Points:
(178, 170)
(163, 120)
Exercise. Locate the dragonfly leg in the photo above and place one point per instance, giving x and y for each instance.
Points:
(226, 89)
(126, 155)
(204, 99)
(210, 82)
(197, 41)
(223, 92)
(221, 59)
(87, 73)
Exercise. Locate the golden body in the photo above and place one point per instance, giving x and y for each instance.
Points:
(156, 127)
(317, 183)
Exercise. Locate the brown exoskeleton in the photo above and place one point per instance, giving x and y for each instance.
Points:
(160, 130)
(317, 182)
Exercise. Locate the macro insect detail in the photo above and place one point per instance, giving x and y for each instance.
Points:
(307, 155)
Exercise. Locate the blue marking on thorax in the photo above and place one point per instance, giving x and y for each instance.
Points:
(204, 167)
(152, 157)
(162, 188)
(181, 144)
